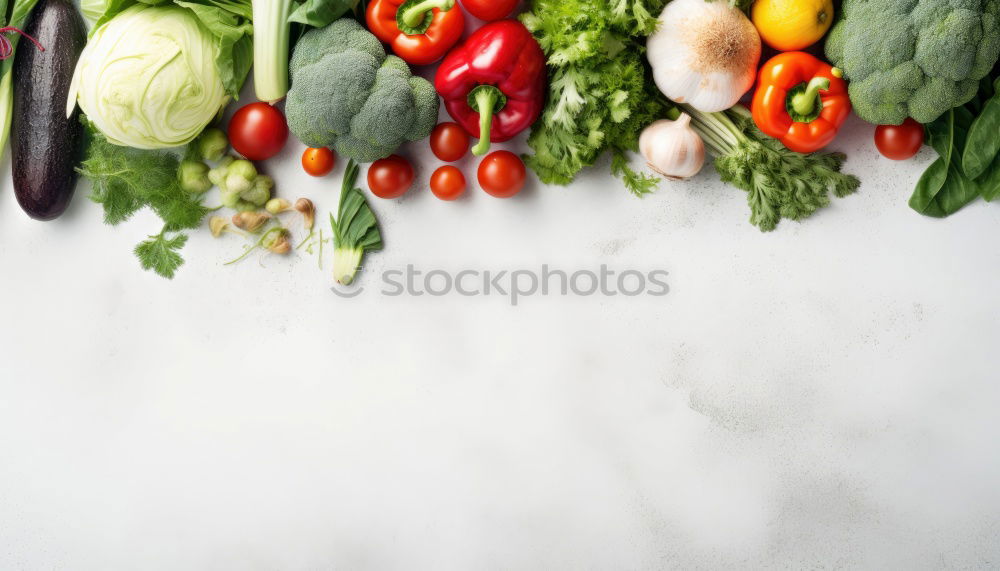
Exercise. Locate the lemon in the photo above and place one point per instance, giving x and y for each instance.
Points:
(788, 25)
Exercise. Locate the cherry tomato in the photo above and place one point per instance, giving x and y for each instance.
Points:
(390, 177)
(490, 10)
(448, 183)
(899, 142)
(318, 162)
(502, 174)
(258, 131)
(450, 142)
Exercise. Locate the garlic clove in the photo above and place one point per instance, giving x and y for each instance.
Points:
(672, 148)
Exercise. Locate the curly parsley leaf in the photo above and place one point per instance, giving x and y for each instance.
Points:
(600, 97)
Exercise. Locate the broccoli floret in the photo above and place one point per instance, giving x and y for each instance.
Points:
(347, 94)
(914, 58)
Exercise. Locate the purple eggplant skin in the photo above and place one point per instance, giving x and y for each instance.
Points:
(46, 145)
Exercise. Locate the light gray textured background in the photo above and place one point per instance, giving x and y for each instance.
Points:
(820, 397)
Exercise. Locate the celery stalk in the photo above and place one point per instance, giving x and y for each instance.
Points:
(270, 48)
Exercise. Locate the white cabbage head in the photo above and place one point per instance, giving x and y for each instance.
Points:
(147, 78)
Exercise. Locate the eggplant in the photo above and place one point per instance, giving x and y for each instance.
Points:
(45, 144)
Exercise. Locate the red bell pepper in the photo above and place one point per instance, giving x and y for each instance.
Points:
(494, 84)
(800, 101)
(419, 31)
(490, 10)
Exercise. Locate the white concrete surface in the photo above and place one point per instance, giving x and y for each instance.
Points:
(820, 397)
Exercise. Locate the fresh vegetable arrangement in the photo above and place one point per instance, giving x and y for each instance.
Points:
(135, 108)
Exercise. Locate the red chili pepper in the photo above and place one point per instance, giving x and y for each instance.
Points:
(419, 31)
(7, 48)
(490, 10)
(494, 85)
(800, 101)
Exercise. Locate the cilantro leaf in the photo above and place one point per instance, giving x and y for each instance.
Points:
(160, 254)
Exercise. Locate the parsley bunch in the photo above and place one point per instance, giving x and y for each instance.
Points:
(126, 180)
(779, 183)
(600, 97)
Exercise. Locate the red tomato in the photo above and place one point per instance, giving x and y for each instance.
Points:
(490, 10)
(899, 142)
(258, 131)
(318, 162)
(450, 142)
(502, 174)
(390, 177)
(448, 183)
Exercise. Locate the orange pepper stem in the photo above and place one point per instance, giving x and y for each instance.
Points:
(804, 101)
(415, 16)
(487, 100)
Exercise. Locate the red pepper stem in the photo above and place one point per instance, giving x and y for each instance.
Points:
(415, 14)
(806, 101)
(487, 100)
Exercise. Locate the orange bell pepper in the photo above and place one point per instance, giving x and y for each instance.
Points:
(419, 31)
(801, 101)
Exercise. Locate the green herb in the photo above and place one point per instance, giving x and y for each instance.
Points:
(159, 254)
(355, 229)
(600, 94)
(127, 180)
(779, 183)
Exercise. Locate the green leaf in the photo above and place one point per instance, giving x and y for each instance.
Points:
(320, 13)
(983, 143)
(941, 137)
(159, 254)
(989, 184)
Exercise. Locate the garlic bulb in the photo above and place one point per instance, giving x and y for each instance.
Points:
(704, 54)
(673, 148)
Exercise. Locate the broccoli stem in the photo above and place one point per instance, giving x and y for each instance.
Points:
(805, 103)
(270, 49)
(487, 100)
(414, 15)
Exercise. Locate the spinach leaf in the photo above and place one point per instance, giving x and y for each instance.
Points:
(941, 137)
(989, 184)
(983, 143)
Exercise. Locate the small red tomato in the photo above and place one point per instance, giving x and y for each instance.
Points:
(450, 142)
(318, 162)
(258, 131)
(448, 183)
(390, 177)
(899, 142)
(490, 10)
(502, 174)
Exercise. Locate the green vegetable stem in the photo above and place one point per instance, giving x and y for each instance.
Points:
(272, 20)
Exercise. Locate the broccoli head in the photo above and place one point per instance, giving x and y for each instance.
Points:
(914, 58)
(348, 95)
